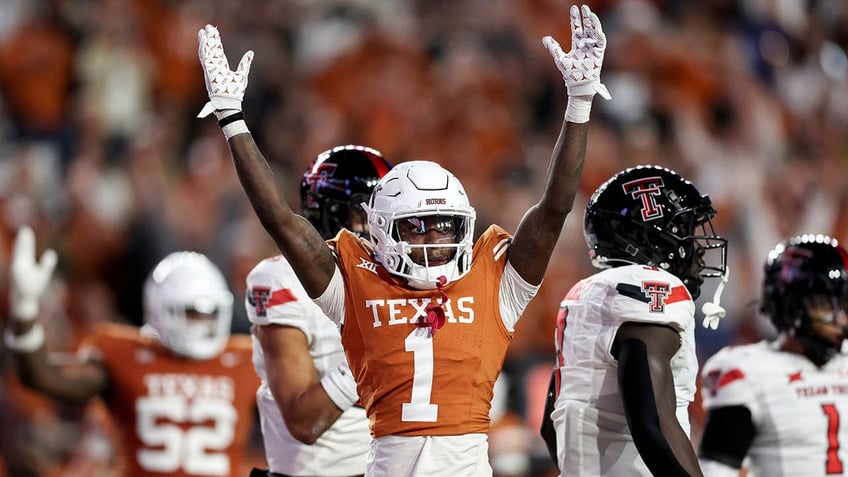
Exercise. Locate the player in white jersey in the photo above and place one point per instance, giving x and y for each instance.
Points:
(625, 341)
(310, 423)
(782, 405)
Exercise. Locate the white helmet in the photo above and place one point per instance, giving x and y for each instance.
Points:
(419, 189)
(185, 281)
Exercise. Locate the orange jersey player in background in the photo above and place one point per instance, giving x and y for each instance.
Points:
(181, 390)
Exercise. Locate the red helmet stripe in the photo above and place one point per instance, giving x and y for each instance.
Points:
(843, 254)
(380, 164)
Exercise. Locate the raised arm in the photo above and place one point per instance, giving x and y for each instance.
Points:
(646, 382)
(69, 380)
(296, 238)
(539, 229)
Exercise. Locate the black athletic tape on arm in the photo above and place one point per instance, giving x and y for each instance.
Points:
(231, 119)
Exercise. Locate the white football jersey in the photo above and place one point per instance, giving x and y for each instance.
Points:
(797, 408)
(275, 296)
(593, 438)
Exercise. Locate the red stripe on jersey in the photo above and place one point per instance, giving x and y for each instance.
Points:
(730, 376)
(281, 297)
(679, 293)
(562, 318)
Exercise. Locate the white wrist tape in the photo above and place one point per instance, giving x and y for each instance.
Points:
(238, 127)
(578, 109)
(25, 343)
(340, 387)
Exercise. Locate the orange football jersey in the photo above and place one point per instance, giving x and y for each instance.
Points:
(176, 416)
(413, 382)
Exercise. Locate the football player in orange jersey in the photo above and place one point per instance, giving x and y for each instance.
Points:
(180, 389)
(426, 315)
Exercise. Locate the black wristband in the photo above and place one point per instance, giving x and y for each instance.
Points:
(231, 119)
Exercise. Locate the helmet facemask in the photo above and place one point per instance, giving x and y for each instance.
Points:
(449, 255)
(701, 253)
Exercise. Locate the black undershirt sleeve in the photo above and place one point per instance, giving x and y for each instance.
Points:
(728, 434)
(640, 408)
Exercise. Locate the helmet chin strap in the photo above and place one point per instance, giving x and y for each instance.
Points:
(713, 312)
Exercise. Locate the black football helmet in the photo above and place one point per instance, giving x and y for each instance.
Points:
(651, 215)
(337, 183)
(795, 270)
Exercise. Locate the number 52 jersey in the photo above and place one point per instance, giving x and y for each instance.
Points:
(176, 417)
(799, 411)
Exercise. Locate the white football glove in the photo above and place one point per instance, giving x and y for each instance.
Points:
(225, 87)
(581, 67)
(29, 278)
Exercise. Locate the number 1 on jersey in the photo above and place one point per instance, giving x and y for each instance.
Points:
(420, 409)
(832, 465)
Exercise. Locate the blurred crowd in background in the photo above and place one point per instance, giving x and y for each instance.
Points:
(101, 153)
